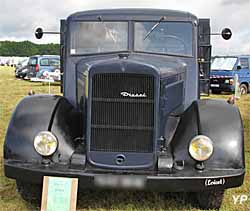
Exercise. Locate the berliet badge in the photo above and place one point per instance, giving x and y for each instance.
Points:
(127, 94)
(214, 182)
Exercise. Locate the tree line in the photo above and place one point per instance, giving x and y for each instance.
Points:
(27, 48)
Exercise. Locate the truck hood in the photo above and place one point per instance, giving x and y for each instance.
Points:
(162, 67)
(222, 73)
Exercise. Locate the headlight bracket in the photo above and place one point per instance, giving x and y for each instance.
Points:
(200, 166)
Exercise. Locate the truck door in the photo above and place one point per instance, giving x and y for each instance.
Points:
(248, 74)
(244, 72)
(204, 55)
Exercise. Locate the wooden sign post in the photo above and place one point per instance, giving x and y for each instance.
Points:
(59, 194)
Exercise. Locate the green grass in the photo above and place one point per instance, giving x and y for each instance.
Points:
(13, 90)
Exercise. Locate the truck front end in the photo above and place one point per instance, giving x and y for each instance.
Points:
(130, 116)
(222, 78)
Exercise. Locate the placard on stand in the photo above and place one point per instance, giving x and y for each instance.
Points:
(59, 194)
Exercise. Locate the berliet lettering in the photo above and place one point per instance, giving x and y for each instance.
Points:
(127, 94)
(212, 182)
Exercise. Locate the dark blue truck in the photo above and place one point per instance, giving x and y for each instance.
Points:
(224, 70)
(131, 114)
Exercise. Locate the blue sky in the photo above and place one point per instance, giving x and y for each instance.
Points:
(18, 19)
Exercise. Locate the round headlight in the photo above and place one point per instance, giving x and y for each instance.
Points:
(45, 143)
(201, 148)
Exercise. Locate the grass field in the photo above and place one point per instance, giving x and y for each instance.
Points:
(12, 90)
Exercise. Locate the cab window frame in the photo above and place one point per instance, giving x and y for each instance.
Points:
(246, 61)
(166, 54)
(71, 25)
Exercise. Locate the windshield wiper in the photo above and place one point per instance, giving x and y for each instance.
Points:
(155, 26)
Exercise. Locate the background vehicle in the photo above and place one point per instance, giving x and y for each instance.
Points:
(130, 115)
(21, 72)
(22, 63)
(22, 68)
(223, 71)
(42, 63)
(54, 74)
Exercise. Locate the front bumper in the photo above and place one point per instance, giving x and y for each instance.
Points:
(187, 180)
(222, 87)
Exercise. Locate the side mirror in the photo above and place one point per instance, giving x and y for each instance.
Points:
(39, 33)
(238, 67)
(226, 33)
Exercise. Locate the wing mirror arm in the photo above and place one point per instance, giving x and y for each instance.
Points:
(226, 34)
(39, 33)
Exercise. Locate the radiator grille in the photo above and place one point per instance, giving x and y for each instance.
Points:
(122, 123)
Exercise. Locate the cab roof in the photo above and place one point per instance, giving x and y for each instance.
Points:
(132, 14)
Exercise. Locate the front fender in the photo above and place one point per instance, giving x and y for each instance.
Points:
(222, 123)
(42, 113)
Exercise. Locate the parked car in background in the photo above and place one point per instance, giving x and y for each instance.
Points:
(224, 70)
(22, 72)
(42, 63)
(22, 63)
(21, 68)
(53, 74)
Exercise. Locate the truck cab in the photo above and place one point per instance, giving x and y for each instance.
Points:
(130, 116)
(224, 70)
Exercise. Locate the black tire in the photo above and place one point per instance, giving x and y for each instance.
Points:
(31, 193)
(243, 89)
(216, 91)
(210, 199)
(23, 76)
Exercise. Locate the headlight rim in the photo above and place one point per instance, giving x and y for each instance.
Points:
(53, 137)
(208, 139)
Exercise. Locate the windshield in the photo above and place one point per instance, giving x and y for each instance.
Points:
(223, 63)
(24, 62)
(98, 37)
(167, 38)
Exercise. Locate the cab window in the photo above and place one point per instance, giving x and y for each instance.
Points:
(244, 63)
(173, 38)
(98, 37)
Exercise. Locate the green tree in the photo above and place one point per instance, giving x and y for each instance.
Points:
(27, 48)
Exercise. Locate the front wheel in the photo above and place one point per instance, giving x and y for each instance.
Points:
(30, 192)
(210, 199)
(243, 89)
